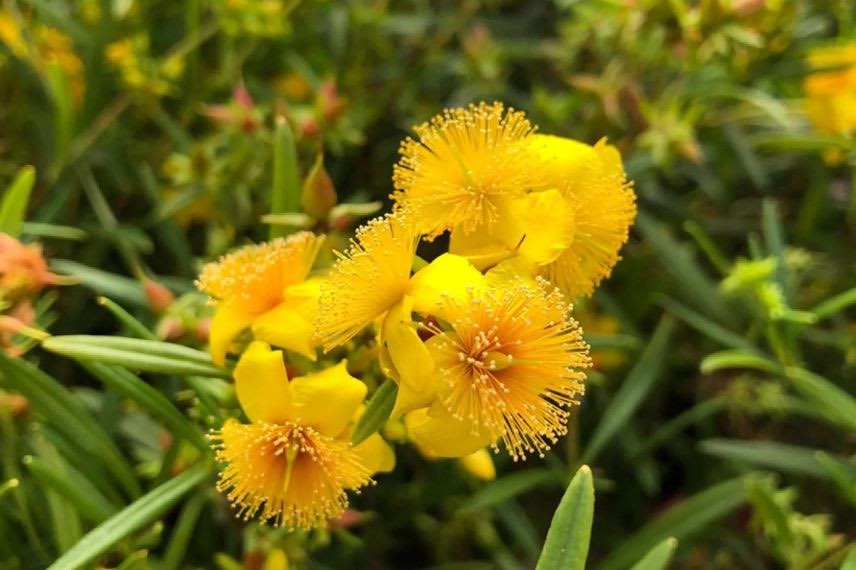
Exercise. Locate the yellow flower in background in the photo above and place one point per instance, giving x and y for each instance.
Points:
(831, 90)
(572, 223)
(462, 165)
(293, 463)
(367, 280)
(509, 365)
(265, 286)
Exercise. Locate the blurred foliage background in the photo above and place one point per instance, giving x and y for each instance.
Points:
(721, 408)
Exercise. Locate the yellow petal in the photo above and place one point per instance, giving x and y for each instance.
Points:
(225, 326)
(479, 465)
(479, 247)
(327, 400)
(262, 384)
(411, 363)
(376, 454)
(561, 160)
(276, 560)
(539, 226)
(443, 435)
(447, 277)
(283, 326)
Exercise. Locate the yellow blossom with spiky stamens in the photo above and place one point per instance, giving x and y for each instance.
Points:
(463, 163)
(572, 223)
(293, 463)
(367, 280)
(265, 286)
(511, 365)
(831, 94)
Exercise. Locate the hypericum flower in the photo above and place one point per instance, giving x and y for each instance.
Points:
(465, 161)
(293, 463)
(265, 286)
(831, 91)
(570, 226)
(367, 280)
(511, 365)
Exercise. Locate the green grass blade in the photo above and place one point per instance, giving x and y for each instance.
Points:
(633, 391)
(697, 287)
(184, 527)
(737, 358)
(679, 521)
(835, 305)
(62, 410)
(117, 287)
(150, 400)
(775, 240)
(658, 558)
(773, 455)
(132, 324)
(132, 518)
(511, 486)
(74, 487)
(285, 191)
(567, 542)
(705, 326)
(836, 403)
(13, 207)
(377, 412)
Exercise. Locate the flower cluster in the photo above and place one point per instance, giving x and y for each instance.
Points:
(480, 341)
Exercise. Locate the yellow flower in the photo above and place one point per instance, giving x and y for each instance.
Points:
(831, 90)
(367, 280)
(265, 286)
(293, 463)
(508, 366)
(479, 464)
(463, 164)
(572, 223)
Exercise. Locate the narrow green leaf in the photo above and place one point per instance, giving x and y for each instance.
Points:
(127, 319)
(511, 486)
(658, 558)
(376, 413)
(705, 326)
(850, 562)
(63, 105)
(150, 400)
(136, 561)
(737, 358)
(835, 305)
(13, 207)
(110, 285)
(285, 191)
(183, 531)
(132, 518)
(567, 542)
(136, 354)
(775, 240)
(74, 487)
(42, 230)
(772, 455)
(633, 391)
(65, 520)
(674, 426)
(696, 286)
(679, 521)
(836, 403)
(844, 476)
(63, 411)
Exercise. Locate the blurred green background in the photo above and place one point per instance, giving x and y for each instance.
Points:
(720, 410)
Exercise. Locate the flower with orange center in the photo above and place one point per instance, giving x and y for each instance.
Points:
(367, 280)
(265, 286)
(293, 463)
(463, 163)
(511, 364)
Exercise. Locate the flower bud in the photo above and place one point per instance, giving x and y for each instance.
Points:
(159, 297)
(319, 194)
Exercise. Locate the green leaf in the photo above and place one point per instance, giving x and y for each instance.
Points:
(74, 487)
(150, 400)
(737, 359)
(837, 405)
(183, 531)
(775, 240)
(679, 521)
(65, 412)
(127, 319)
(633, 391)
(835, 305)
(567, 542)
(136, 354)
(110, 285)
(510, 486)
(850, 562)
(705, 326)
(658, 557)
(694, 283)
(13, 207)
(42, 230)
(142, 512)
(285, 191)
(376, 413)
(772, 455)
(63, 105)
